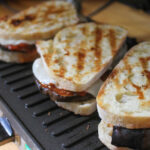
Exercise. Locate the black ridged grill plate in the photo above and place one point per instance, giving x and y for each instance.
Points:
(52, 127)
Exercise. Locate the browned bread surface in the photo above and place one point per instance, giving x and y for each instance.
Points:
(80, 54)
(124, 98)
(38, 22)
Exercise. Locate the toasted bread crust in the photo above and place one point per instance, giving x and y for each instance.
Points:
(18, 57)
(127, 87)
(39, 22)
(105, 136)
(129, 122)
(91, 48)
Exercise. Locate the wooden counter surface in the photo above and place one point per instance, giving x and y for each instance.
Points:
(135, 21)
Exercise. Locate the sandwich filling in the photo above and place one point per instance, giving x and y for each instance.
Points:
(131, 138)
(49, 86)
(17, 45)
(22, 47)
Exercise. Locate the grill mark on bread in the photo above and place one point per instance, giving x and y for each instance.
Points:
(62, 71)
(84, 30)
(54, 10)
(17, 22)
(97, 49)
(127, 65)
(81, 57)
(138, 91)
(114, 77)
(47, 58)
(29, 18)
(144, 62)
(129, 68)
(112, 41)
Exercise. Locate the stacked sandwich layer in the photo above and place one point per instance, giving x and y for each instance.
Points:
(123, 102)
(19, 33)
(71, 64)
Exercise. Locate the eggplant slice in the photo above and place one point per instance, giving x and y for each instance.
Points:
(56, 97)
(138, 139)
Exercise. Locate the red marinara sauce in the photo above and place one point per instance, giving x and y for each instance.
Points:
(21, 47)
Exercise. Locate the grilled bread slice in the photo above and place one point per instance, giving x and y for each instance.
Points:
(35, 23)
(82, 53)
(105, 135)
(38, 22)
(124, 99)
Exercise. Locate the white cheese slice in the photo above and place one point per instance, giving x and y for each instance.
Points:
(41, 75)
(15, 42)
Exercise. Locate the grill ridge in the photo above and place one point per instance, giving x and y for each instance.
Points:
(22, 87)
(3, 68)
(45, 108)
(69, 144)
(35, 114)
(71, 125)
(30, 94)
(14, 72)
(47, 123)
(38, 102)
(18, 79)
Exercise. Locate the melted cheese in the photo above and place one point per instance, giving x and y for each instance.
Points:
(42, 76)
(40, 73)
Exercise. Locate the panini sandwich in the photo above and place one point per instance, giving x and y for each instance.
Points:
(71, 64)
(19, 33)
(123, 102)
